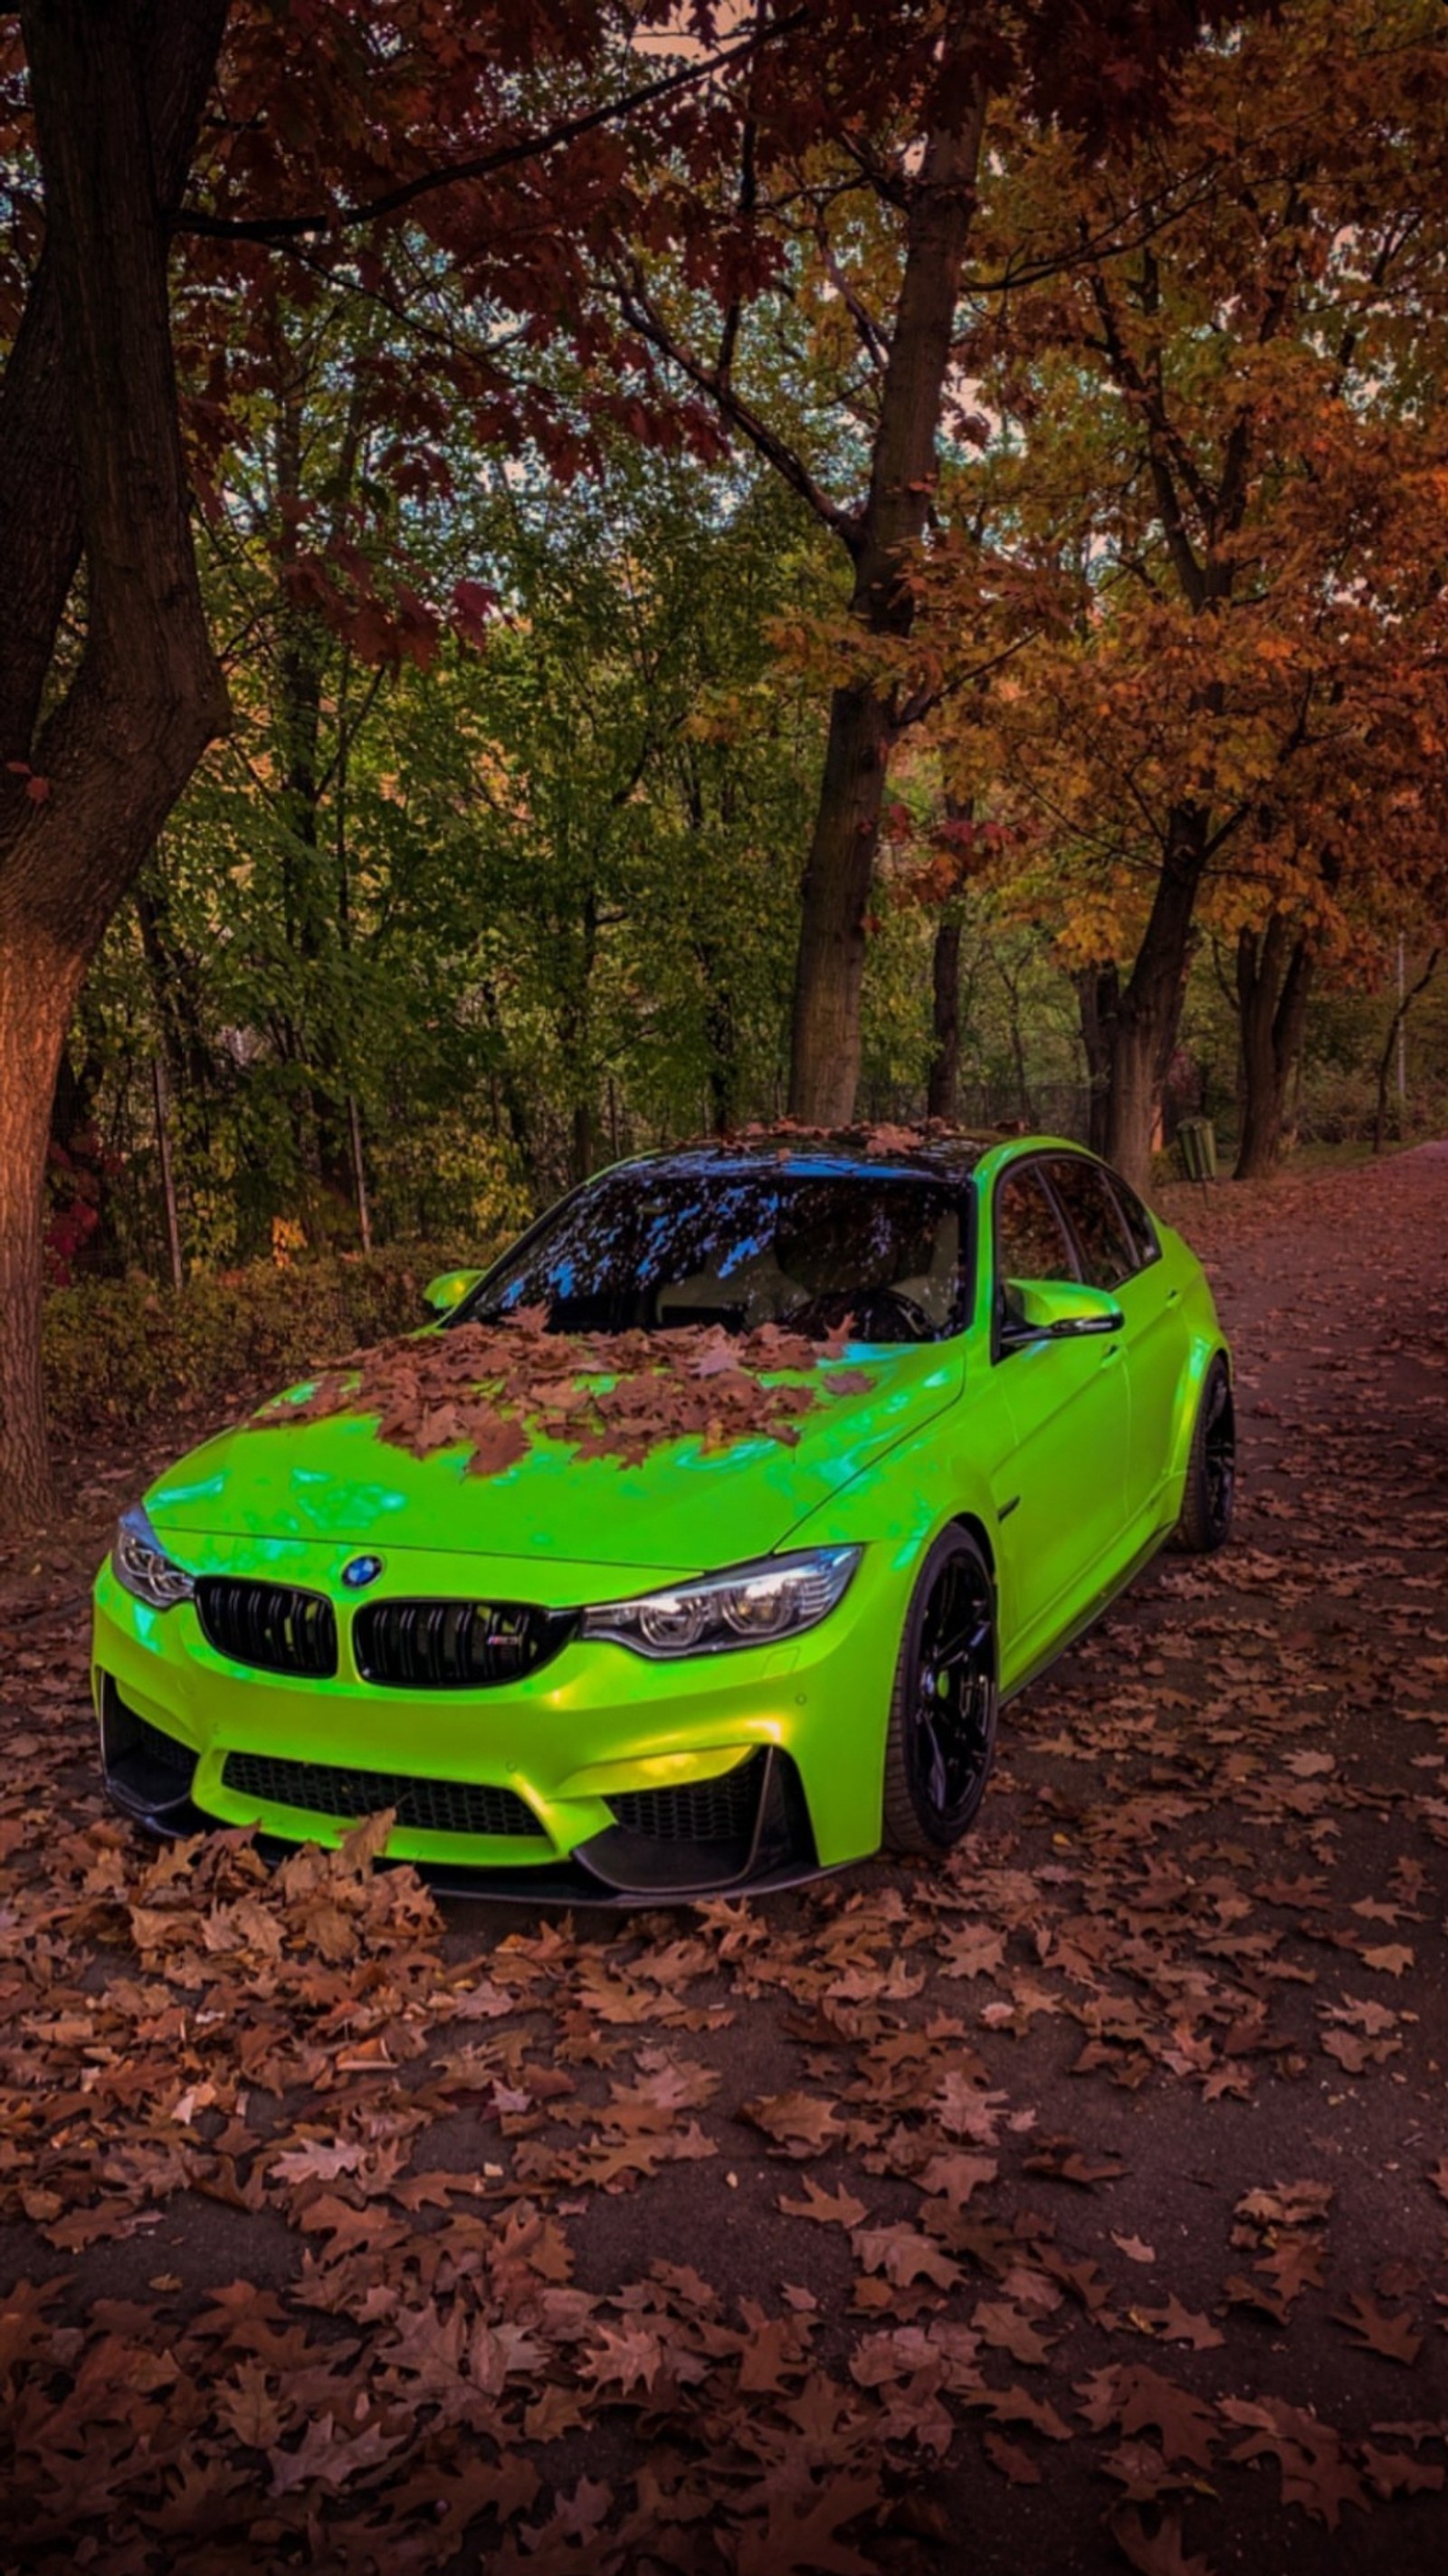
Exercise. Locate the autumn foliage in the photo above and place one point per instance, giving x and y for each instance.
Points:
(496, 1388)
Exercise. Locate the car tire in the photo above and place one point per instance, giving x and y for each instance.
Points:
(941, 1739)
(1206, 1515)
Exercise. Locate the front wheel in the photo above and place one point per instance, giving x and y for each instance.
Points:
(942, 1732)
(1206, 1519)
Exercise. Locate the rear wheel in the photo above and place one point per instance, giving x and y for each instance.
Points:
(1206, 1519)
(942, 1734)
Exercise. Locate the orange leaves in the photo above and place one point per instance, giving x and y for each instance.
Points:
(494, 1389)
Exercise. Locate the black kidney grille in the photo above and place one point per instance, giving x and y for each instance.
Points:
(430, 1806)
(698, 1811)
(271, 1625)
(455, 1645)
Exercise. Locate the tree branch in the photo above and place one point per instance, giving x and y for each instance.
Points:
(484, 165)
(645, 318)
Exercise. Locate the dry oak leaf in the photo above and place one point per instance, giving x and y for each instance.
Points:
(1018, 2406)
(904, 2256)
(632, 2359)
(1393, 2473)
(840, 2209)
(1010, 2459)
(1309, 2455)
(956, 2176)
(1288, 2204)
(801, 2124)
(1141, 2400)
(1005, 2329)
(1391, 1960)
(1134, 2248)
(802, 2538)
(1155, 2553)
(1393, 2337)
(1176, 2324)
(329, 2457)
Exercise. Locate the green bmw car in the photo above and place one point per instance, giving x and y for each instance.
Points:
(803, 1455)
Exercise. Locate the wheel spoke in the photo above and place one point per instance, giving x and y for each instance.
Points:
(954, 1693)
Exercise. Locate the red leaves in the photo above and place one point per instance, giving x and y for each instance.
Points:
(1393, 2337)
(1315, 2473)
(496, 1388)
(1141, 2400)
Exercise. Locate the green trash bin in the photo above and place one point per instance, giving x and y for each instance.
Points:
(1197, 1144)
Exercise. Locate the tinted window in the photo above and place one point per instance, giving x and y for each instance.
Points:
(740, 1248)
(1108, 1254)
(1138, 1224)
(1030, 1238)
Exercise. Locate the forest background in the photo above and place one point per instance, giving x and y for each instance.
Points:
(847, 561)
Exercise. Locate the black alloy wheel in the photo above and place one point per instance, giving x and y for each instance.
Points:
(942, 1733)
(1211, 1487)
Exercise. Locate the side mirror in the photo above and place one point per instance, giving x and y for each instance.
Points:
(1056, 1310)
(449, 1289)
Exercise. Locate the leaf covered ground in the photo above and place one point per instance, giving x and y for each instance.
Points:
(1083, 2207)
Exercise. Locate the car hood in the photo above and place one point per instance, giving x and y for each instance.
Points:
(678, 1512)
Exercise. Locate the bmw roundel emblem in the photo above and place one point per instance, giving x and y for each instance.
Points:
(361, 1570)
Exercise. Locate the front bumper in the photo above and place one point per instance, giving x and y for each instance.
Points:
(603, 1778)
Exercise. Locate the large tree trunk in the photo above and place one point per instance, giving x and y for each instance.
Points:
(1273, 983)
(117, 92)
(943, 1095)
(1133, 1026)
(825, 1032)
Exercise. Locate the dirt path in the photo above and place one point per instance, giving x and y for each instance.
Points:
(1084, 2208)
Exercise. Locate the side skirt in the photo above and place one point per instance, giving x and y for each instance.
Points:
(1112, 1591)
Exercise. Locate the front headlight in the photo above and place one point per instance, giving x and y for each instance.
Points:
(751, 1605)
(143, 1566)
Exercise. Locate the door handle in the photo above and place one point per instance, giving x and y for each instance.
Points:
(1113, 1354)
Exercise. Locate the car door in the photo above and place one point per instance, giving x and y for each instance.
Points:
(1115, 1243)
(1063, 1517)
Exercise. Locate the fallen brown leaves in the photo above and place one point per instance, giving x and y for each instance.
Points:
(1089, 2191)
(495, 1389)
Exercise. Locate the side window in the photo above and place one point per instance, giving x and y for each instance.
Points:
(1136, 1220)
(1108, 1254)
(1030, 1240)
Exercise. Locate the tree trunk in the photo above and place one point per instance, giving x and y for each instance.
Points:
(1133, 1026)
(825, 1031)
(1098, 991)
(1396, 1025)
(1273, 984)
(37, 991)
(942, 1098)
(117, 93)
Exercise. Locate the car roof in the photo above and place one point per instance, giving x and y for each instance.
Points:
(883, 1152)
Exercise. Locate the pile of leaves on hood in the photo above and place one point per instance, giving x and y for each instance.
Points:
(496, 1388)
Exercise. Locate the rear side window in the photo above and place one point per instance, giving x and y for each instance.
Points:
(1030, 1239)
(1138, 1224)
(1108, 1254)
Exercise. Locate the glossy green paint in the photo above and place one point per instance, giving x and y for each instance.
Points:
(449, 1289)
(1066, 1455)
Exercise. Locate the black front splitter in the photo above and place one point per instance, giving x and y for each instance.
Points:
(554, 1884)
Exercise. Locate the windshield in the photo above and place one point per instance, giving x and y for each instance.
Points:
(649, 1249)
